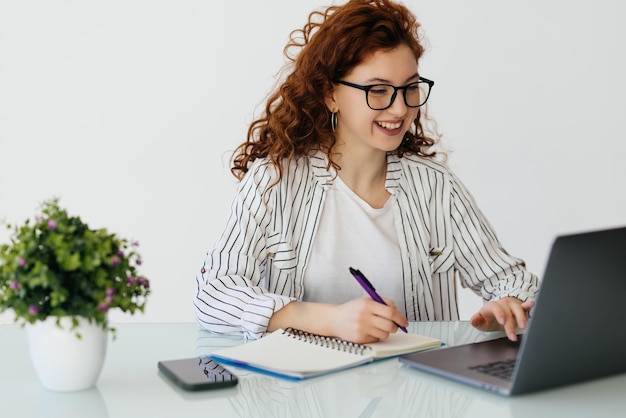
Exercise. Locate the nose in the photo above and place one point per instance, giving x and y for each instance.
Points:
(398, 105)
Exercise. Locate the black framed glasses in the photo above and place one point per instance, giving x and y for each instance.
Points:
(382, 96)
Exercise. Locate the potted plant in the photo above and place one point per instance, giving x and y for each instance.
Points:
(60, 278)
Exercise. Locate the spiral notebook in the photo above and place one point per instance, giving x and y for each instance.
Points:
(295, 354)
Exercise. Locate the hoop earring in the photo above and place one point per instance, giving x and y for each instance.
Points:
(333, 121)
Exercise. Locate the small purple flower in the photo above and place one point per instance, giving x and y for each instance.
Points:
(143, 282)
(110, 291)
(52, 224)
(120, 253)
(22, 262)
(131, 280)
(33, 310)
(14, 285)
(135, 244)
(108, 299)
(115, 260)
(103, 307)
(139, 261)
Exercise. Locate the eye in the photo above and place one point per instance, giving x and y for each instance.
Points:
(413, 88)
(381, 90)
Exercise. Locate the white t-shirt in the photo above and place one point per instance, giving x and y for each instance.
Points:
(353, 234)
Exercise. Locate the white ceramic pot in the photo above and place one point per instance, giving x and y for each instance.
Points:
(62, 361)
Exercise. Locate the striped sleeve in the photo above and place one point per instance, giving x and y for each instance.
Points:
(231, 295)
(481, 261)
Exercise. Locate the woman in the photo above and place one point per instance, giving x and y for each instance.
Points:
(339, 172)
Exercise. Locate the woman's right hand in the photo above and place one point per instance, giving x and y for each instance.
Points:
(364, 320)
(361, 320)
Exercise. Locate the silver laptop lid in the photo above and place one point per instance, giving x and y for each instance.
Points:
(577, 331)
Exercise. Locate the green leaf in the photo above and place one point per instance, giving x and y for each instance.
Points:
(71, 262)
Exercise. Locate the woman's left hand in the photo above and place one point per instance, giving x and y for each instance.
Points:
(504, 314)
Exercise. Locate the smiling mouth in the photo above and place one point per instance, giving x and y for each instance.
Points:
(389, 126)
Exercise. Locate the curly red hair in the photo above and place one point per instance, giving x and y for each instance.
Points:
(296, 119)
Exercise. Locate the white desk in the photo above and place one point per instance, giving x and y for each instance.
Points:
(130, 385)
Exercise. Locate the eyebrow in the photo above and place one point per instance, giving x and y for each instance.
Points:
(385, 81)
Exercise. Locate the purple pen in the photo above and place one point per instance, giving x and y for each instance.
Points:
(365, 284)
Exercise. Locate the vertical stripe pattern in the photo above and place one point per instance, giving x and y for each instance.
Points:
(256, 266)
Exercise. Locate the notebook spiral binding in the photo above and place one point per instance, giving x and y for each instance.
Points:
(330, 342)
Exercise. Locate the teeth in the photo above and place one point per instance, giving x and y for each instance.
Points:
(389, 125)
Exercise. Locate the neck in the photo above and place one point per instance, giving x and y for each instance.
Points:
(365, 175)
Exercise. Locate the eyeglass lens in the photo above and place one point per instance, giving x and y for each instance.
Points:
(381, 96)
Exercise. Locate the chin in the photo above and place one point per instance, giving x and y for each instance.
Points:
(390, 146)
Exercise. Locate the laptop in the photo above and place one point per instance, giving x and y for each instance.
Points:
(576, 331)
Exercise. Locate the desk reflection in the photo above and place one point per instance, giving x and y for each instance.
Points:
(130, 387)
(381, 389)
(86, 403)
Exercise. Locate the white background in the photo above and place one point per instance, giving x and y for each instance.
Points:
(128, 110)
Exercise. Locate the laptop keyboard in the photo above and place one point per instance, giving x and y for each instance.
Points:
(502, 369)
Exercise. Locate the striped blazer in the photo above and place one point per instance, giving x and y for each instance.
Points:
(257, 265)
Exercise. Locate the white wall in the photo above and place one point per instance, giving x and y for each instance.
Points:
(127, 111)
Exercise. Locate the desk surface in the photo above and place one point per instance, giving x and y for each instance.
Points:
(130, 385)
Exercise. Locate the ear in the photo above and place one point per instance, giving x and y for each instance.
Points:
(330, 102)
